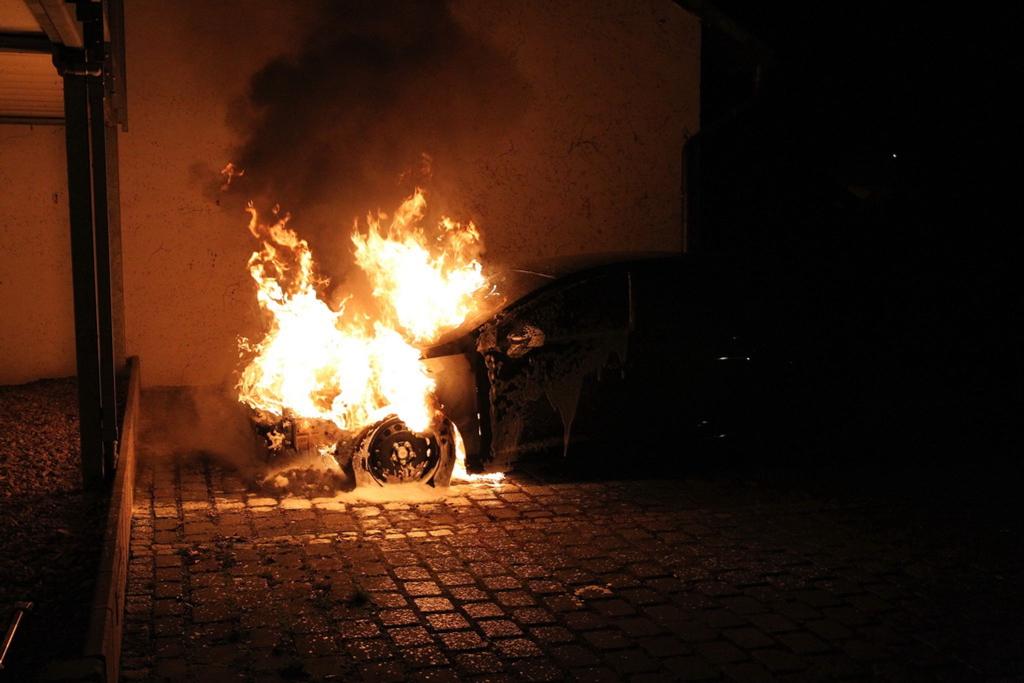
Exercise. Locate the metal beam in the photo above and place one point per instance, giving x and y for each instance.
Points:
(58, 21)
(32, 120)
(118, 79)
(83, 272)
(91, 15)
(25, 42)
(116, 251)
(88, 150)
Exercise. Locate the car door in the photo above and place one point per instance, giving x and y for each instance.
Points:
(549, 359)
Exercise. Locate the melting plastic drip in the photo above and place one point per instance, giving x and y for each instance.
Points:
(564, 396)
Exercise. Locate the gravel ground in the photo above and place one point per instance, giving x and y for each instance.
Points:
(51, 529)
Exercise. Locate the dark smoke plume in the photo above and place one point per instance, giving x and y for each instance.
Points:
(341, 126)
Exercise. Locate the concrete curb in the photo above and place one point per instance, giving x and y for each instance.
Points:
(103, 640)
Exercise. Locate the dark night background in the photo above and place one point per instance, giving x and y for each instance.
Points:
(862, 157)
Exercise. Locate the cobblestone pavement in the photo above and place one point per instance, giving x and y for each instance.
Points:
(643, 581)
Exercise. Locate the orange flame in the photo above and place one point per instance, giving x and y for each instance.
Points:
(317, 362)
(423, 293)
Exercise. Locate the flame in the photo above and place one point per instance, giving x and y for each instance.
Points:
(459, 472)
(319, 362)
(230, 172)
(423, 294)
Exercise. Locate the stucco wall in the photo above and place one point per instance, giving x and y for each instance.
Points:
(591, 164)
(37, 323)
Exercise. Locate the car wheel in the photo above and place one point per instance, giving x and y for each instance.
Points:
(389, 452)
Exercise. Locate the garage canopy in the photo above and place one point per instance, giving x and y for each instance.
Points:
(32, 32)
(30, 88)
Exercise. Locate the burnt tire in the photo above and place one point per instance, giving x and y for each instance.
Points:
(389, 452)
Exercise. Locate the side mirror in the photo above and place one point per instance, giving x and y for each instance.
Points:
(522, 339)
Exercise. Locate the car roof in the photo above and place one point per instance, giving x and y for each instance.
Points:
(511, 284)
(562, 266)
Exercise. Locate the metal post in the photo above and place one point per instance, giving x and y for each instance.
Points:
(92, 20)
(20, 608)
(83, 265)
(116, 266)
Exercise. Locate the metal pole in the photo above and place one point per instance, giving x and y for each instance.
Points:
(20, 608)
(92, 19)
(83, 266)
(116, 250)
(25, 42)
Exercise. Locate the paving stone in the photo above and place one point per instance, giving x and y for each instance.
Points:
(720, 652)
(691, 668)
(514, 598)
(585, 621)
(369, 649)
(606, 640)
(742, 604)
(517, 647)
(379, 599)
(748, 638)
(545, 587)
(447, 621)
(456, 579)
(537, 670)
(748, 672)
(495, 628)
(802, 642)
(574, 656)
(394, 617)
(664, 646)
(433, 604)
(532, 616)
(462, 640)
(476, 663)
(383, 672)
(421, 588)
(863, 650)
(362, 628)
(171, 669)
(597, 674)
(168, 560)
(772, 623)
(829, 629)
(417, 657)
(690, 632)
(563, 603)
(778, 661)
(377, 583)
(631, 661)
(468, 594)
(479, 610)
(501, 582)
(613, 608)
(412, 573)
(723, 618)
(410, 635)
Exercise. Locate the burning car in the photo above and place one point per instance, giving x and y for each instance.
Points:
(611, 358)
(458, 371)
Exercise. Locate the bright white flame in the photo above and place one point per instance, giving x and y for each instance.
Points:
(317, 362)
(423, 293)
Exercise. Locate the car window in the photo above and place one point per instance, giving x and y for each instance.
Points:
(590, 305)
